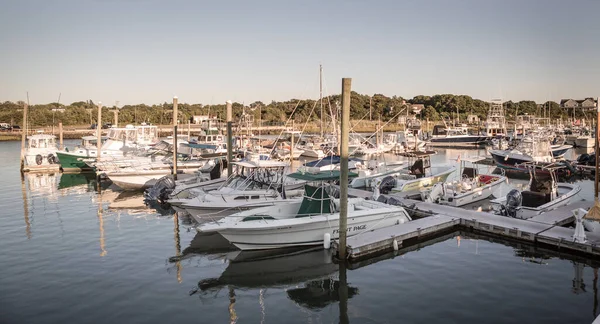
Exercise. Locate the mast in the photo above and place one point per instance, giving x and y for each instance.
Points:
(321, 95)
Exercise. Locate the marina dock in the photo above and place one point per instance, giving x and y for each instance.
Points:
(544, 229)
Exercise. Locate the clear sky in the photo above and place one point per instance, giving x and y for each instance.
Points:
(207, 52)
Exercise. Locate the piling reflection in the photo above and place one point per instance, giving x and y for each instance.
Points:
(103, 251)
(177, 246)
(25, 207)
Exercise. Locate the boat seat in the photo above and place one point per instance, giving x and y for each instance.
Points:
(535, 199)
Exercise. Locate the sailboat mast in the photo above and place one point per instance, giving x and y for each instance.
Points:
(321, 94)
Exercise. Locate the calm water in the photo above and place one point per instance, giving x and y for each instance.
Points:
(69, 254)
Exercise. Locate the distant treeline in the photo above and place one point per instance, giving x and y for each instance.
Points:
(436, 108)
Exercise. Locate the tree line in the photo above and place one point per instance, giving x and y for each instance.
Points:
(362, 107)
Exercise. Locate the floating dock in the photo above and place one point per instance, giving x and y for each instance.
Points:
(437, 219)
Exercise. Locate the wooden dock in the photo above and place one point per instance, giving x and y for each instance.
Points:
(543, 229)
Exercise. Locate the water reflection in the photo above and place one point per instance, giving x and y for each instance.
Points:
(257, 269)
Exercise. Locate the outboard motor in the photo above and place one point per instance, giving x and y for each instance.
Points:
(161, 189)
(387, 184)
(583, 159)
(513, 201)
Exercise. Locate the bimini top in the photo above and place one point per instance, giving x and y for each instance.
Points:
(261, 164)
(328, 160)
(320, 176)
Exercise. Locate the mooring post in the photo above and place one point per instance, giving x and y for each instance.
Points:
(345, 134)
(175, 137)
(60, 136)
(23, 135)
(116, 117)
(229, 138)
(99, 132)
(189, 130)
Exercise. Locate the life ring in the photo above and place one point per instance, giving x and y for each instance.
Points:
(39, 159)
(51, 159)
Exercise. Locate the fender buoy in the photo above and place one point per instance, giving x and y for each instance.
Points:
(39, 159)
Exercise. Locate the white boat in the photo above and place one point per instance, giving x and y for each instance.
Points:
(584, 141)
(443, 136)
(312, 221)
(542, 196)
(40, 153)
(373, 170)
(470, 188)
(138, 179)
(254, 184)
(495, 124)
(418, 176)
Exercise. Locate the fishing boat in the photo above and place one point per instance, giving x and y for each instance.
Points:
(443, 136)
(544, 194)
(331, 162)
(253, 184)
(533, 148)
(418, 176)
(470, 188)
(121, 141)
(367, 173)
(495, 124)
(72, 160)
(40, 154)
(313, 220)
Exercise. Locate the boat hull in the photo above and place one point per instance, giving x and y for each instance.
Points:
(70, 162)
(309, 230)
(475, 195)
(458, 141)
(422, 183)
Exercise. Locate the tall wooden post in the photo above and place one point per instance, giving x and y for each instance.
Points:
(345, 130)
(60, 136)
(99, 132)
(175, 137)
(229, 138)
(189, 130)
(115, 117)
(24, 135)
(597, 147)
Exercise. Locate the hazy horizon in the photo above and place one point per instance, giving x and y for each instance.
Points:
(148, 51)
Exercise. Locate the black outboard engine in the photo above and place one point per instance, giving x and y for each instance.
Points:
(583, 159)
(386, 185)
(513, 200)
(161, 189)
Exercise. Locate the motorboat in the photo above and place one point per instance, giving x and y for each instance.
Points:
(443, 136)
(544, 194)
(419, 175)
(533, 148)
(331, 162)
(120, 142)
(40, 153)
(372, 169)
(313, 220)
(495, 124)
(471, 187)
(253, 184)
(72, 160)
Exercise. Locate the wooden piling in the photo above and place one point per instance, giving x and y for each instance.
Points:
(189, 131)
(24, 136)
(229, 138)
(115, 117)
(345, 135)
(99, 132)
(60, 136)
(175, 137)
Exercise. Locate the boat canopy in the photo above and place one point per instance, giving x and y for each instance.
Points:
(331, 175)
(316, 202)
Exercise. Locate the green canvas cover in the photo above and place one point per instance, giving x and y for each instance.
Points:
(313, 203)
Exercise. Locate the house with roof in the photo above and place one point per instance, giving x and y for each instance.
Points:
(587, 103)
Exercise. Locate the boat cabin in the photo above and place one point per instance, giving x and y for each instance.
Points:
(41, 141)
(319, 194)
